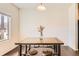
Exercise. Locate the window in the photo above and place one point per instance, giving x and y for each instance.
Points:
(4, 26)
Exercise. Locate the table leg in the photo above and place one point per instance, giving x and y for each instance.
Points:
(25, 49)
(20, 50)
(59, 50)
(55, 49)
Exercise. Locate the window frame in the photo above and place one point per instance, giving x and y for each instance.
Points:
(8, 25)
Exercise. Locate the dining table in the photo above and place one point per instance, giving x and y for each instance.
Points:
(55, 42)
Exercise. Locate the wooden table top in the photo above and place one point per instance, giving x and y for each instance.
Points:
(37, 41)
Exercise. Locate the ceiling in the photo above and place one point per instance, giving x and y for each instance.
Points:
(48, 5)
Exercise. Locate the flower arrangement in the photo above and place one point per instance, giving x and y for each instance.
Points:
(40, 29)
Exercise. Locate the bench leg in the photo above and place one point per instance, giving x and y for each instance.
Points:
(29, 47)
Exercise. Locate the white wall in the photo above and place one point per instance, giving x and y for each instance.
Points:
(55, 20)
(59, 21)
(73, 26)
(11, 10)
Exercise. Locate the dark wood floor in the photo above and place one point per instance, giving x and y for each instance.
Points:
(65, 51)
